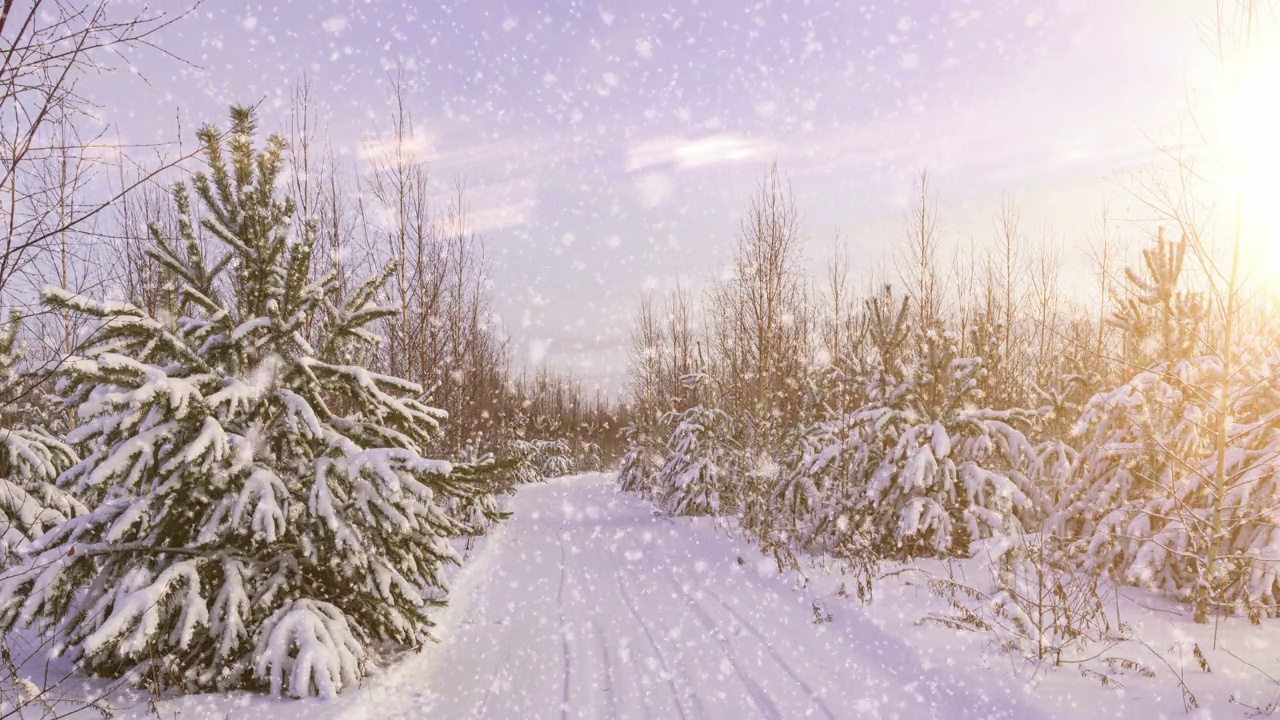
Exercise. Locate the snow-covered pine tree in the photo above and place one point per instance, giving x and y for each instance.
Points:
(1061, 395)
(692, 478)
(553, 457)
(809, 503)
(987, 338)
(643, 459)
(1142, 438)
(937, 470)
(1141, 498)
(31, 458)
(1139, 504)
(525, 467)
(1159, 319)
(261, 513)
(1138, 435)
(478, 511)
(589, 457)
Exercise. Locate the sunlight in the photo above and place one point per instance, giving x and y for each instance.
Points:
(1254, 121)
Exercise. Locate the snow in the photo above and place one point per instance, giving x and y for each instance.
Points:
(135, 609)
(311, 643)
(590, 603)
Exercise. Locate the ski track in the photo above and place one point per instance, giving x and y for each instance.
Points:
(592, 606)
(564, 633)
(782, 664)
(659, 656)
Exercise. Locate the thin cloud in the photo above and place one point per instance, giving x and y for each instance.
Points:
(499, 217)
(688, 153)
(418, 148)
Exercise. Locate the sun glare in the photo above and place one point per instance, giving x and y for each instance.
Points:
(1256, 126)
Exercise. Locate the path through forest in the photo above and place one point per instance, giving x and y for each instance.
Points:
(588, 604)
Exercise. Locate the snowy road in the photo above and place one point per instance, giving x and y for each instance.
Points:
(587, 605)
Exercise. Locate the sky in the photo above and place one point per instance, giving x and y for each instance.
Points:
(611, 147)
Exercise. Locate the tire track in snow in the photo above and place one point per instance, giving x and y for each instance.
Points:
(564, 628)
(759, 697)
(498, 676)
(630, 689)
(576, 580)
(768, 646)
(852, 668)
(662, 660)
(897, 661)
(610, 682)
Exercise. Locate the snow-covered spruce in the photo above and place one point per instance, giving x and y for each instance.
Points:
(935, 470)
(1137, 436)
(518, 466)
(641, 462)
(1062, 399)
(524, 466)
(553, 457)
(1141, 501)
(691, 481)
(261, 513)
(31, 458)
(806, 503)
(919, 468)
(589, 457)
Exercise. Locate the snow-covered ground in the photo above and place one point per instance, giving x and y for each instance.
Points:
(587, 604)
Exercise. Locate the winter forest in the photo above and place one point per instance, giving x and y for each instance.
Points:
(705, 361)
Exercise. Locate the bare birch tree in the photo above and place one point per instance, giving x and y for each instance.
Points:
(758, 317)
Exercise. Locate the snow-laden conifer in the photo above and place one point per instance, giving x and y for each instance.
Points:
(261, 512)
(939, 470)
(641, 461)
(921, 467)
(553, 457)
(811, 500)
(693, 479)
(31, 457)
(1141, 500)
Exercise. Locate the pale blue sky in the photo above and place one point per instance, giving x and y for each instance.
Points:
(611, 146)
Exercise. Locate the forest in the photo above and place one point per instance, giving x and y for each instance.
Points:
(264, 433)
(220, 372)
(966, 404)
